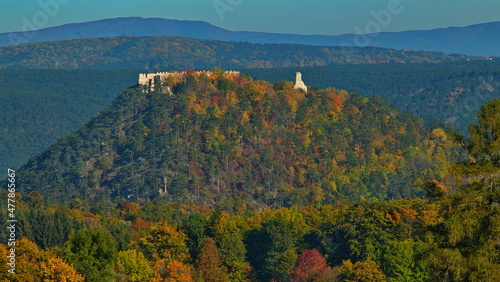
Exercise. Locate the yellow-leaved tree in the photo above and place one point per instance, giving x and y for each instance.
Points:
(33, 264)
(164, 241)
(133, 266)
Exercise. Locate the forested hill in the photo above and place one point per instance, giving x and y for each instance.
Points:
(169, 52)
(60, 101)
(234, 141)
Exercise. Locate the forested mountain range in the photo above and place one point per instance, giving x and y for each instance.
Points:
(231, 140)
(461, 40)
(239, 176)
(170, 52)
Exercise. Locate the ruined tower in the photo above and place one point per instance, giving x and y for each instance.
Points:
(299, 84)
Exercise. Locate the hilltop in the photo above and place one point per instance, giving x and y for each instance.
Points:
(228, 140)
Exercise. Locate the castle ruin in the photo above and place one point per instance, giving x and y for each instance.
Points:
(299, 84)
(148, 79)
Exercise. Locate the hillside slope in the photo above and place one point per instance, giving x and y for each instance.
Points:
(230, 140)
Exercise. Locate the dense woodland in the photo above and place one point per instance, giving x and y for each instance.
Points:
(170, 52)
(231, 178)
(41, 106)
(449, 236)
(446, 92)
(229, 140)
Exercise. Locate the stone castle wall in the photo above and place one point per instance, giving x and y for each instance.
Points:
(147, 79)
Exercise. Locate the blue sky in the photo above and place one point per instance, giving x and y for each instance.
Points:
(283, 16)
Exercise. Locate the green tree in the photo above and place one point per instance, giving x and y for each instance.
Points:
(401, 262)
(483, 147)
(229, 239)
(196, 226)
(122, 234)
(133, 266)
(469, 235)
(273, 248)
(93, 252)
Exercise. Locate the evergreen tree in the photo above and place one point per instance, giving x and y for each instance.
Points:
(469, 244)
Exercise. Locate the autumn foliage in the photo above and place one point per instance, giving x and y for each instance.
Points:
(311, 266)
(33, 264)
(209, 263)
(363, 271)
(173, 271)
(239, 200)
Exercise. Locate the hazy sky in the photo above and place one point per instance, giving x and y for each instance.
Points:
(284, 16)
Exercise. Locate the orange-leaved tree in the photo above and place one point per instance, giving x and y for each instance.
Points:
(311, 266)
(209, 263)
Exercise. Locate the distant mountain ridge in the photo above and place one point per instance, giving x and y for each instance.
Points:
(177, 53)
(462, 40)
